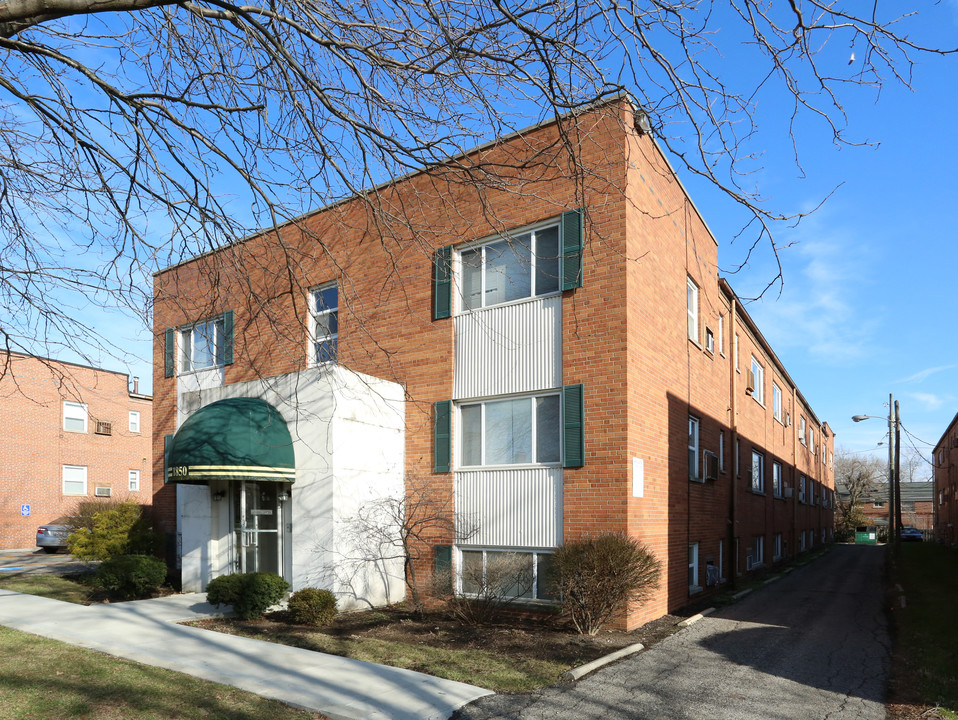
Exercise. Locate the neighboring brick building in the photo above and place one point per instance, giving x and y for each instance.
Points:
(68, 432)
(946, 485)
(917, 506)
(592, 373)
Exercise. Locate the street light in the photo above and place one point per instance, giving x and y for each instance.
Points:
(894, 423)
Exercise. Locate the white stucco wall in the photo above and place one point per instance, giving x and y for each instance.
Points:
(348, 438)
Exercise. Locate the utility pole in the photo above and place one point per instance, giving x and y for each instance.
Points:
(891, 470)
(897, 475)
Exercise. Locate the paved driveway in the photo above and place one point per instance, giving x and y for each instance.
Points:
(813, 645)
(19, 562)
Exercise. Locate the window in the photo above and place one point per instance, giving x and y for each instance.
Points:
(203, 345)
(777, 479)
(508, 269)
(802, 431)
(709, 341)
(801, 489)
(738, 450)
(518, 574)
(777, 547)
(721, 451)
(811, 439)
(735, 353)
(776, 402)
(692, 298)
(324, 324)
(878, 504)
(757, 551)
(693, 567)
(134, 481)
(758, 472)
(693, 447)
(721, 334)
(803, 543)
(74, 417)
(517, 431)
(134, 421)
(758, 381)
(74, 480)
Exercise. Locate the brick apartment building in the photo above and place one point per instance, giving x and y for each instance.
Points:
(946, 485)
(69, 432)
(553, 354)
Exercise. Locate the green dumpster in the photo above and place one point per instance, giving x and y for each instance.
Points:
(866, 535)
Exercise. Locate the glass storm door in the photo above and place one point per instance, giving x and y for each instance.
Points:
(258, 526)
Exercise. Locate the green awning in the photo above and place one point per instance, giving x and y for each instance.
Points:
(234, 439)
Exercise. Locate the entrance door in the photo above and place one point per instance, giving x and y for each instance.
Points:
(258, 523)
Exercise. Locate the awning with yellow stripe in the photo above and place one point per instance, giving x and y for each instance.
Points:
(233, 439)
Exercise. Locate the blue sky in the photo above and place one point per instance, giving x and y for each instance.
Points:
(869, 279)
(864, 309)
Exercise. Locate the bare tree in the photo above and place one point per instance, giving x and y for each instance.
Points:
(139, 132)
(914, 466)
(398, 529)
(855, 477)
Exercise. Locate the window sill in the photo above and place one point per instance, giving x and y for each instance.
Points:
(758, 492)
(518, 466)
(695, 589)
(517, 301)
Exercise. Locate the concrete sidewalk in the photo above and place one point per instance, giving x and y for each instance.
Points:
(146, 631)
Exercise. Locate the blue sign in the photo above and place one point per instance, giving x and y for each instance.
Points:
(25, 510)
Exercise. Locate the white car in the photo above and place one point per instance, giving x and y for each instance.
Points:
(54, 536)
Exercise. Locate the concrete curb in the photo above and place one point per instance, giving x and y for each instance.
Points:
(583, 670)
(739, 596)
(695, 618)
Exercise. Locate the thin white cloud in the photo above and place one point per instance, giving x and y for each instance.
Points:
(929, 400)
(923, 375)
(817, 310)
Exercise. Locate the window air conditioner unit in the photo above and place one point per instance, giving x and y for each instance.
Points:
(104, 428)
(710, 461)
(103, 492)
(750, 387)
(789, 492)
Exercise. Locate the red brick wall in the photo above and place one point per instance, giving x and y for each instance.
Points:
(35, 446)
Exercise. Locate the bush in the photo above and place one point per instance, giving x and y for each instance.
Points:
(109, 529)
(131, 576)
(250, 594)
(311, 606)
(486, 586)
(600, 576)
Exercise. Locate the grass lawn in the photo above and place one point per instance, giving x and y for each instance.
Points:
(926, 637)
(42, 678)
(51, 586)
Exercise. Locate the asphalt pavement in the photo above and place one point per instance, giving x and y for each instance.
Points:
(813, 645)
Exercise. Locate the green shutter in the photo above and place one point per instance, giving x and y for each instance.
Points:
(442, 567)
(572, 233)
(442, 436)
(169, 353)
(442, 283)
(228, 337)
(573, 416)
(167, 442)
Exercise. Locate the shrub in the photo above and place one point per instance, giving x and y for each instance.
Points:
(311, 606)
(105, 530)
(487, 586)
(131, 576)
(600, 576)
(250, 594)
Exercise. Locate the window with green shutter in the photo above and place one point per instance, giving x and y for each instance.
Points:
(573, 419)
(572, 236)
(442, 436)
(442, 283)
(442, 566)
(169, 353)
